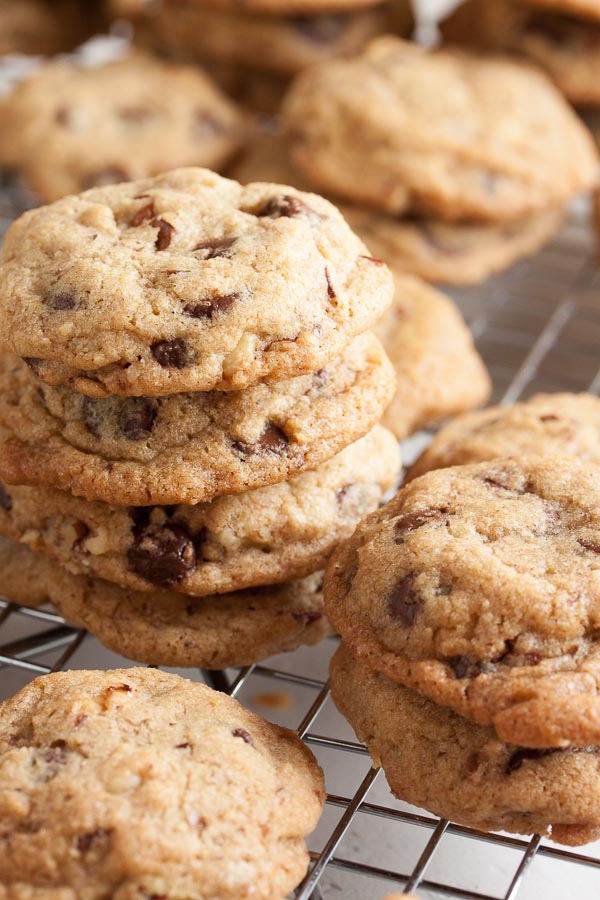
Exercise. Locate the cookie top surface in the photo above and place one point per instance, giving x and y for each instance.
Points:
(438, 370)
(69, 128)
(545, 425)
(439, 761)
(130, 782)
(267, 536)
(565, 46)
(186, 281)
(166, 629)
(439, 133)
(480, 585)
(188, 448)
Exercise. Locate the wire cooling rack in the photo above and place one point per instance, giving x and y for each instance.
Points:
(538, 328)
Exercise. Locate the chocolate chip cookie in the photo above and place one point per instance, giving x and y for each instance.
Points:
(267, 536)
(186, 281)
(480, 586)
(138, 783)
(167, 629)
(187, 448)
(439, 761)
(568, 48)
(69, 128)
(438, 370)
(275, 43)
(546, 425)
(443, 134)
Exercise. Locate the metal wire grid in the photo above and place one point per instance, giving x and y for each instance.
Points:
(538, 329)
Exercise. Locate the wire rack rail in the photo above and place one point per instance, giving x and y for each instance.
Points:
(538, 327)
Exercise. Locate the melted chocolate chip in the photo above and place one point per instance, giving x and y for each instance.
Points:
(404, 601)
(162, 554)
(330, 289)
(85, 841)
(592, 546)
(80, 720)
(123, 688)
(183, 746)
(92, 415)
(165, 233)
(61, 300)
(34, 363)
(81, 532)
(244, 735)
(144, 214)
(321, 29)
(285, 206)
(550, 417)
(517, 759)
(307, 618)
(206, 309)
(108, 175)
(342, 492)
(412, 521)
(136, 417)
(272, 440)
(171, 354)
(214, 248)
(5, 498)
(465, 666)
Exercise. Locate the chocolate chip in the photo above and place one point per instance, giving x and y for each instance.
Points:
(85, 841)
(92, 415)
(404, 601)
(549, 418)
(165, 233)
(330, 289)
(61, 300)
(592, 546)
(412, 521)
(81, 532)
(171, 354)
(517, 759)
(307, 618)
(162, 554)
(244, 735)
(34, 363)
(144, 214)
(108, 175)
(285, 206)
(272, 440)
(206, 309)
(321, 29)
(214, 248)
(56, 753)
(80, 720)
(123, 688)
(5, 498)
(136, 417)
(465, 666)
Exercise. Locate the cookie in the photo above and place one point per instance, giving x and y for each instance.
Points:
(186, 281)
(480, 586)
(375, 129)
(566, 47)
(587, 9)
(450, 252)
(43, 27)
(133, 783)
(439, 372)
(188, 448)
(167, 629)
(282, 44)
(546, 425)
(436, 760)
(69, 128)
(267, 536)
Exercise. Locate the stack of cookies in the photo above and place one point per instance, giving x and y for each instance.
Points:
(255, 48)
(561, 36)
(469, 609)
(456, 164)
(191, 414)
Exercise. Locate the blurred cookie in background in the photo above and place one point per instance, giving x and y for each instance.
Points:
(45, 27)
(69, 128)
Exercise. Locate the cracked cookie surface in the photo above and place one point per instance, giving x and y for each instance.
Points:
(129, 783)
(187, 448)
(162, 628)
(458, 770)
(267, 536)
(443, 133)
(186, 281)
(480, 586)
